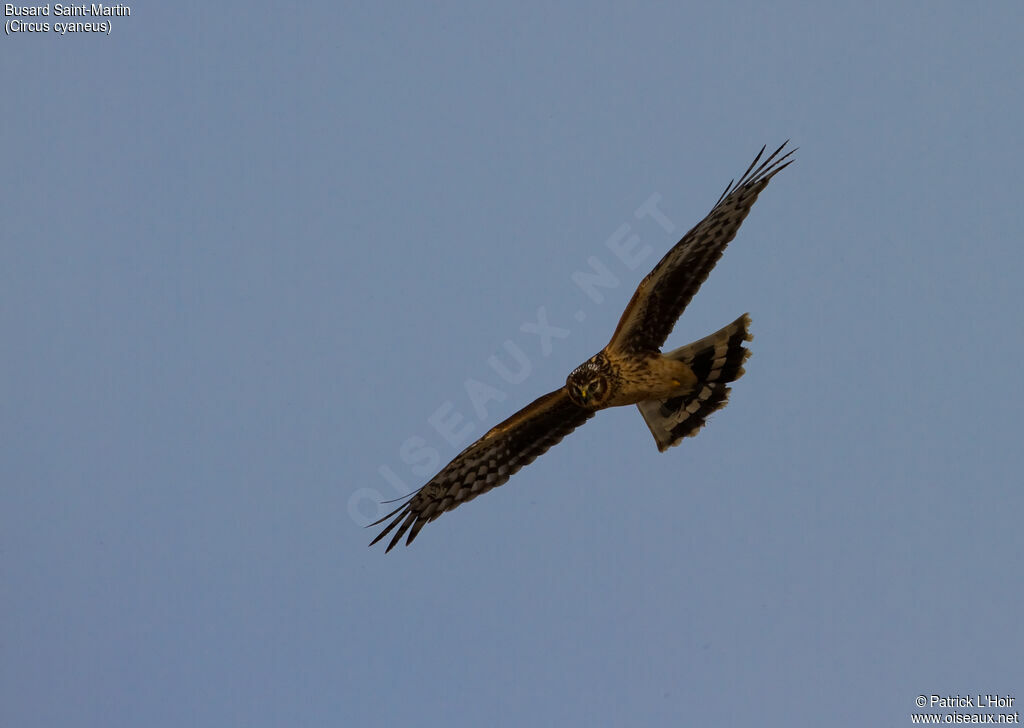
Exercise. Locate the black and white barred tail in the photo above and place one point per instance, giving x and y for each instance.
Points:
(717, 360)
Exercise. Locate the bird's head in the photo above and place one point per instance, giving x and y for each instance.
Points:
(587, 385)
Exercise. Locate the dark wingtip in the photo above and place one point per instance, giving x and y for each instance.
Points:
(772, 165)
(385, 532)
(410, 518)
(402, 512)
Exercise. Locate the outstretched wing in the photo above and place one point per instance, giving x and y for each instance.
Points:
(661, 296)
(488, 462)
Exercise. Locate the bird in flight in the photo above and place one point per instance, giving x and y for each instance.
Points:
(675, 391)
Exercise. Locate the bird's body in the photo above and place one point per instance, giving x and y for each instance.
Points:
(643, 376)
(675, 391)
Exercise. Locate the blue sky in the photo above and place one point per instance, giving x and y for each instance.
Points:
(249, 256)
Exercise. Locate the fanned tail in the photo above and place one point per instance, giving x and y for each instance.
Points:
(717, 360)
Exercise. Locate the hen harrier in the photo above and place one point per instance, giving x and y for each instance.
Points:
(675, 391)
